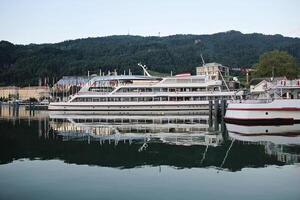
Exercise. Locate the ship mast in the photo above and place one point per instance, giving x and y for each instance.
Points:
(144, 67)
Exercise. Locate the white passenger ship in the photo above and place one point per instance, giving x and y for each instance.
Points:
(129, 94)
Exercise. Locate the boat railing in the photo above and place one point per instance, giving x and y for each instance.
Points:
(253, 101)
(287, 83)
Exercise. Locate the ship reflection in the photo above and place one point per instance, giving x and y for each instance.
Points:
(279, 141)
(137, 141)
(175, 130)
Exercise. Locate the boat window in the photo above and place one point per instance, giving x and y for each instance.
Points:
(134, 99)
(125, 99)
(164, 98)
(187, 98)
(196, 98)
(156, 89)
(179, 98)
(148, 99)
(156, 99)
(88, 99)
(172, 98)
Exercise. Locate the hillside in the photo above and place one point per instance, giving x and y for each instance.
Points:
(24, 64)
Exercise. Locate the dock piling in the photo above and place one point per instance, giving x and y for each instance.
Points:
(210, 120)
(216, 112)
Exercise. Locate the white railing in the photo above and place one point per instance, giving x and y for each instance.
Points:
(253, 101)
(287, 83)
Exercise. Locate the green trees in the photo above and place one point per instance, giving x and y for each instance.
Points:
(25, 64)
(276, 63)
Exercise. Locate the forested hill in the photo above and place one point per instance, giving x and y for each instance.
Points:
(25, 64)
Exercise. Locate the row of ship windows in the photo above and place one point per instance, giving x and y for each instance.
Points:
(127, 90)
(143, 121)
(142, 99)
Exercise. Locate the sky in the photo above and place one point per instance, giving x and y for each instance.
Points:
(49, 21)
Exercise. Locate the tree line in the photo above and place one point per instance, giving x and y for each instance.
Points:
(26, 64)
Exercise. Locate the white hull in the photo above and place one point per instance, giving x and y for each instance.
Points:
(131, 108)
(283, 111)
(291, 130)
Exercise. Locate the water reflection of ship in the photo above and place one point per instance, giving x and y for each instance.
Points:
(20, 141)
(279, 141)
(178, 130)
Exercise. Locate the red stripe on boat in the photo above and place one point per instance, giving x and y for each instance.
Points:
(266, 109)
(183, 74)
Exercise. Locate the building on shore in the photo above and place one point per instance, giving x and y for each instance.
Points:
(286, 88)
(212, 70)
(216, 71)
(9, 92)
(36, 92)
(25, 93)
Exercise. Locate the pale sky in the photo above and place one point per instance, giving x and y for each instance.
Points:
(47, 21)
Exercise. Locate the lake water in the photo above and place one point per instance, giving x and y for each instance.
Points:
(70, 156)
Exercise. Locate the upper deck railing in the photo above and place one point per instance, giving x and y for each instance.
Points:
(287, 83)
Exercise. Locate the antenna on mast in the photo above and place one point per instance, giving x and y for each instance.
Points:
(203, 62)
(144, 67)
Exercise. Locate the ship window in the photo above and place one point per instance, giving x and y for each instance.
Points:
(134, 90)
(187, 98)
(156, 98)
(147, 98)
(164, 98)
(125, 99)
(102, 99)
(196, 98)
(179, 98)
(156, 90)
(172, 98)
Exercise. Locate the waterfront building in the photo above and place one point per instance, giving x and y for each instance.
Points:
(213, 70)
(25, 93)
(9, 92)
(36, 92)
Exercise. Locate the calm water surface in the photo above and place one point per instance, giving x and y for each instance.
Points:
(88, 156)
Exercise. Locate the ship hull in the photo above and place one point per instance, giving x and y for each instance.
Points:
(277, 112)
(132, 108)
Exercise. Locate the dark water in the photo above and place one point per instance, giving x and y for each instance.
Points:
(58, 156)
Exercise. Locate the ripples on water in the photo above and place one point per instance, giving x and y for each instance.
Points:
(143, 157)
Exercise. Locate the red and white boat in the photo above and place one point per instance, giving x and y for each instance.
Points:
(281, 107)
(263, 112)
